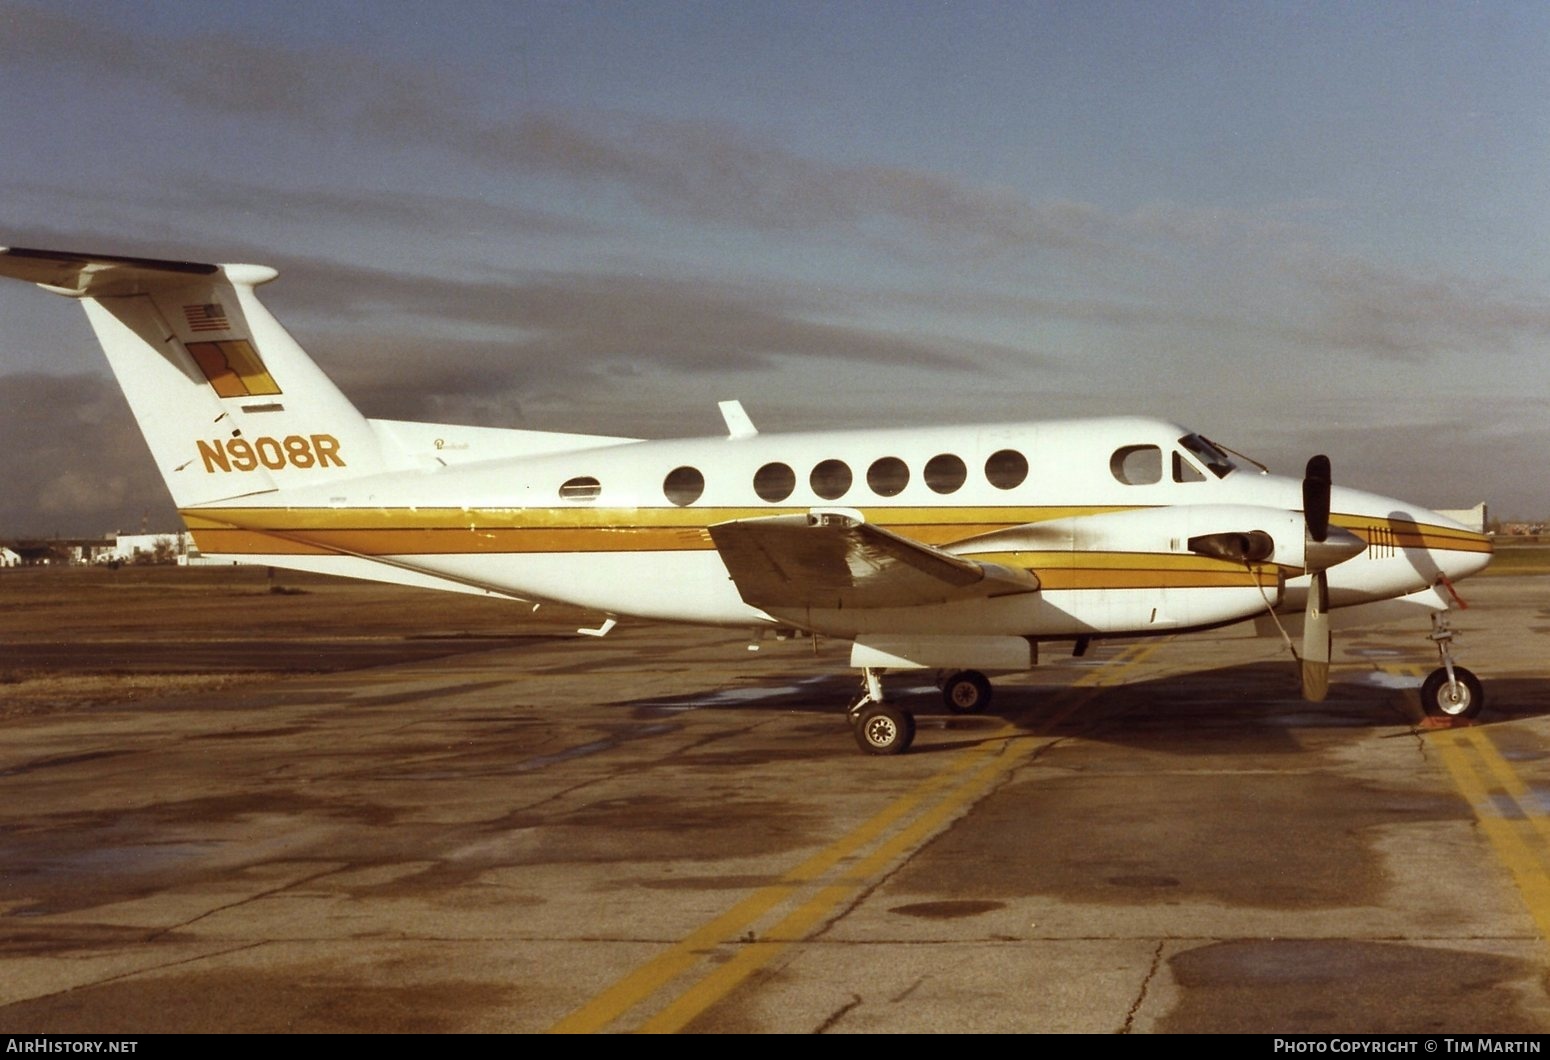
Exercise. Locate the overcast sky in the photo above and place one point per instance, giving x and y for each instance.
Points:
(1297, 228)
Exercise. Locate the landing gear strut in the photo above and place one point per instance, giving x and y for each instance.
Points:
(881, 728)
(1450, 691)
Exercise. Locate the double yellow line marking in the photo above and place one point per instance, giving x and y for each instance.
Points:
(1508, 810)
(824, 881)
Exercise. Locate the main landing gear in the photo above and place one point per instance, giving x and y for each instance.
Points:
(885, 729)
(1450, 692)
(881, 728)
(965, 691)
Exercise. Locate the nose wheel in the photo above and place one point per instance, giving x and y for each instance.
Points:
(1450, 692)
(1457, 697)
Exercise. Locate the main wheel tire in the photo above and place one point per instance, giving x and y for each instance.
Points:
(1464, 698)
(884, 729)
(966, 692)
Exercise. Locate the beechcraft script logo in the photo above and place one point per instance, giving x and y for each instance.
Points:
(233, 367)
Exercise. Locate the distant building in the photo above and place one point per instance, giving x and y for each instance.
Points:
(77, 551)
(147, 548)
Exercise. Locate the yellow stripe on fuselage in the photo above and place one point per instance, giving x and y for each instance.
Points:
(530, 531)
(1406, 533)
(456, 531)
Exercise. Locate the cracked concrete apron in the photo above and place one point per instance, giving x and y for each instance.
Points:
(661, 832)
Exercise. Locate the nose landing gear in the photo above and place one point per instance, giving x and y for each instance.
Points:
(1450, 692)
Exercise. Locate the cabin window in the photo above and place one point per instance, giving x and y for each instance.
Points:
(1137, 465)
(888, 476)
(774, 482)
(830, 479)
(580, 489)
(945, 473)
(1184, 471)
(683, 485)
(1006, 469)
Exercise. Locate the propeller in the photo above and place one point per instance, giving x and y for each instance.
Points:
(1323, 546)
(1317, 642)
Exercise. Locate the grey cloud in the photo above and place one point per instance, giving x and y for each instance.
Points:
(1462, 464)
(592, 320)
(1411, 317)
(226, 73)
(202, 206)
(570, 323)
(1206, 278)
(685, 169)
(715, 173)
(78, 464)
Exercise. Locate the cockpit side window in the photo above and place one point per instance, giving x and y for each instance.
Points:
(1137, 465)
(1209, 454)
(1184, 470)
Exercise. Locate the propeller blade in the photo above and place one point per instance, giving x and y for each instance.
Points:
(1315, 497)
(1317, 644)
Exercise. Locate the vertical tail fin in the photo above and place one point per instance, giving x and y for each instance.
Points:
(228, 402)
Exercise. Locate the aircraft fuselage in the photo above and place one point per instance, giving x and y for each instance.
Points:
(1106, 509)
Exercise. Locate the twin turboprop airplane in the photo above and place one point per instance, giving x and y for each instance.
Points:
(958, 550)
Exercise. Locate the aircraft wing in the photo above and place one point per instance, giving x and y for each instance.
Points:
(833, 560)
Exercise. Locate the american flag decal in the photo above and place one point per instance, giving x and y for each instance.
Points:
(207, 317)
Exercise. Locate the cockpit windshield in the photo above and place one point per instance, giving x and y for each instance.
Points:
(1209, 454)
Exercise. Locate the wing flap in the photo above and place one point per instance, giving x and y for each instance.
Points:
(831, 560)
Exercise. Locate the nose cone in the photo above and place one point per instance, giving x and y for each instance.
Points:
(1455, 550)
(1459, 550)
(1428, 545)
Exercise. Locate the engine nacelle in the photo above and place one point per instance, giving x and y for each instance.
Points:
(1238, 533)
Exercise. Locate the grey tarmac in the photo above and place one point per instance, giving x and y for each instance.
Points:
(662, 830)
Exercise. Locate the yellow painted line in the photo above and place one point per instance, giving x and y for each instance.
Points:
(1490, 785)
(650, 977)
(796, 926)
(966, 777)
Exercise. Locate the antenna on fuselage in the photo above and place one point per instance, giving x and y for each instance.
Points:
(738, 423)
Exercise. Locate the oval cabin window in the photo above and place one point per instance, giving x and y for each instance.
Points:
(945, 473)
(580, 489)
(1006, 469)
(830, 479)
(683, 485)
(888, 476)
(774, 482)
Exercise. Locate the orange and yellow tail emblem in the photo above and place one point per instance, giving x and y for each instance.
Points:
(233, 368)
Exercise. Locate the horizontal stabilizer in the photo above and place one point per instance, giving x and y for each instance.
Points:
(97, 275)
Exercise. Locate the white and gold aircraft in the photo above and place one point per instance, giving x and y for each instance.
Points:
(953, 549)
